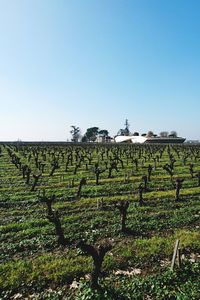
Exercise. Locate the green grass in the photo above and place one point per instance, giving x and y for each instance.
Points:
(29, 255)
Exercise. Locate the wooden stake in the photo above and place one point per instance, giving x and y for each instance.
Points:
(174, 254)
(179, 257)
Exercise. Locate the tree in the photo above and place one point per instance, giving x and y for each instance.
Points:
(75, 132)
(103, 133)
(84, 139)
(91, 134)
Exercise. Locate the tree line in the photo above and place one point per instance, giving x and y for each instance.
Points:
(90, 135)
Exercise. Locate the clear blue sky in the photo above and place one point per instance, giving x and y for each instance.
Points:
(96, 62)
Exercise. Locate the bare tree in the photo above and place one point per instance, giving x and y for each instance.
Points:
(54, 218)
(75, 132)
(97, 254)
(140, 193)
(191, 170)
(178, 186)
(98, 171)
(48, 201)
(150, 168)
(81, 183)
(36, 177)
(167, 168)
(123, 207)
(145, 181)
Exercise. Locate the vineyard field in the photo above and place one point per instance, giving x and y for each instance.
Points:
(136, 200)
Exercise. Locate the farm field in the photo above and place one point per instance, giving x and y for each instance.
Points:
(133, 200)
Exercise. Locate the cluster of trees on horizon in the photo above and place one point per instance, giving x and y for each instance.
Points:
(92, 133)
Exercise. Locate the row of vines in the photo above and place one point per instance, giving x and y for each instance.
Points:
(99, 221)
